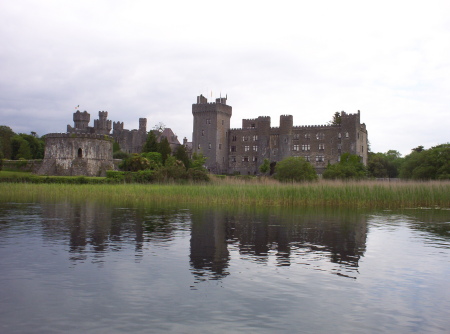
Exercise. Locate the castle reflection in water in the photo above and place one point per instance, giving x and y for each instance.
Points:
(278, 237)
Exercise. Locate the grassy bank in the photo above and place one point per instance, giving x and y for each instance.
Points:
(367, 194)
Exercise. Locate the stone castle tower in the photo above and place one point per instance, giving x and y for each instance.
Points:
(211, 130)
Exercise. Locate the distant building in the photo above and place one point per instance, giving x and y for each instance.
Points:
(243, 150)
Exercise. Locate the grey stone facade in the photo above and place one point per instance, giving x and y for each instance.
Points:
(73, 154)
(130, 141)
(243, 150)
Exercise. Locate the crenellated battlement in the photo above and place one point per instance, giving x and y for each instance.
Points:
(79, 135)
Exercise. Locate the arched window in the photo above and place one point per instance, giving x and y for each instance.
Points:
(80, 153)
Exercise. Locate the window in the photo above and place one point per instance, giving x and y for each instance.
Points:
(222, 122)
(255, 148)
(346, 135)
(253, 125)
(358, 135)
(319, 158)
(306, 147)
(339, 146)
(80, 153)
(307, 158)
(255, 159)
(255, 137)
(208, 121)
(296, 147)
(234, 138)
(321, 147)
(244, 159)
(203, 132)
(320, 136)
(233, 158)
(209, 145)
(339, 158)
(339, 135)
(246, 148)
(307, 136)
(220, 146)
(198, 146)
(245, 138)
(296, 136)
(233, 148)
(362, 148)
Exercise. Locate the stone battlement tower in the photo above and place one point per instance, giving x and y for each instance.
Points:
(211, 130)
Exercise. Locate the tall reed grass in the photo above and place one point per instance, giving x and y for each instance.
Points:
(265, 192)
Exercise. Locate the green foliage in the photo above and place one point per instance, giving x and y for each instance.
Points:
(337, 119)
(155, 159)
(181, 155)
(120, 155)
(6, 134)
(265, 166)
(198, 162)
(27, 147)
(431, 164)
(1, 160)
(164, 149)
(295, 169)
(172, 170)
(135, 163)
(350, 167)
(384, 165)
(151, 144)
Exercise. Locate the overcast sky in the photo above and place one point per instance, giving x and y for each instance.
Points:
(388, 59)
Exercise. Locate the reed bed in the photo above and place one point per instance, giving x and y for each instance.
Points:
(264, 192)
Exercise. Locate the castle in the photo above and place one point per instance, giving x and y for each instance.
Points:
(243, 150)
(86, 150)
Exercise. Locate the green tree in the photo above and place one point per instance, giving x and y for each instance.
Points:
(20, 148)
(151, 144)
(430, 164)
(265, 166)
(154, 158)
(198, 162)
(350, 167)
(181, 155)
(6, 134)
(384, 165)
(337, 118)
(164, 149)
(135, 163)
(295, 169)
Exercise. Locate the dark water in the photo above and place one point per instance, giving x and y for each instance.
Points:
(71, 268)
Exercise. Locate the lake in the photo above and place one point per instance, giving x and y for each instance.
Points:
(90, 268)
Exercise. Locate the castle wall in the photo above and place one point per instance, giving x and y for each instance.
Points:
(247, 147)
(77, 154)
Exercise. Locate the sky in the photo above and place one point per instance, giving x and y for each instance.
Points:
(309, 59)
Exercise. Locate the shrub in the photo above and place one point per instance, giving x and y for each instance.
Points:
(295, 169)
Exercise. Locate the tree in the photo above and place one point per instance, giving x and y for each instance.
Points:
(295, 169)
(181, 155)
(198, 162)
(135, 163)
(151, 144)
(430, 164)
(350, 167)
(164, 149)
(384, 165)
(265, 166)
(6, 134)
(337, 118)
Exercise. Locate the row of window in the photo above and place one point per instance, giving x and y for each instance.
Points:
(319, 158)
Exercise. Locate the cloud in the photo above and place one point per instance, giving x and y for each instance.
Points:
(138, 59)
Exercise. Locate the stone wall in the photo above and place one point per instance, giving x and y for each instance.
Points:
(77, 154)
